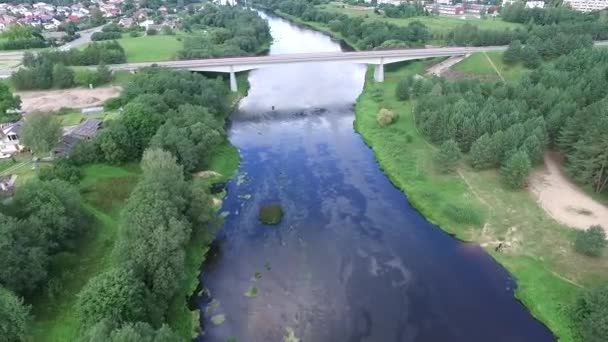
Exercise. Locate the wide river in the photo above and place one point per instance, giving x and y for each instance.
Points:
(352, 260)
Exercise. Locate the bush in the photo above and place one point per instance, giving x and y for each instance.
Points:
(117, 295)
(84, 152)
(133, 34)
(591, 241)
(14, 316)
(63, 77)
(378, 94)
(403, 90)
(168, 31)
(105, 36)
(463, 213)
(271, 214)
(385, 117)
(151, 32)
(589, 315)
(113, 103)
(447, 157)
(62, 169)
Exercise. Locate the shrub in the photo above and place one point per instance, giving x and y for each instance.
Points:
(168, 31)
(463, 213)
(62, 169)
(447, 157)
(403, 90)
(378, 94)
(385, 117)
(113, 103)
(133, 34)
(152, 32)
(589, 315)
(591, 241)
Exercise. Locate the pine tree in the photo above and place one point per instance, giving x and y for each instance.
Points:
(403, 92)
(447, 157)
(516, 169)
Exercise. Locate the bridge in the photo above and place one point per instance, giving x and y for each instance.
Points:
(379, 58)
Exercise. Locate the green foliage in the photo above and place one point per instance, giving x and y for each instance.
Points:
(8, 104)
(41, 132)
(403, 90)
(14, 317)
(516, 170)
(63, 77)
(385, 117)
(116, 295)
(378, 94)
(63, 169)
(133, 34)
(590, 314)
(447, 157)
(236, 31)
(84, 152)
(271, 214)
(591, 241)
(105, 36)
(463, 213)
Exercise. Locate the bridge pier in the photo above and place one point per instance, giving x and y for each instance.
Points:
(233, 85)
(379, 72)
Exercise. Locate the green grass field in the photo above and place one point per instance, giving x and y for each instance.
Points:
(438, 24)
(478, 65)
(151, 48)
(540, 253)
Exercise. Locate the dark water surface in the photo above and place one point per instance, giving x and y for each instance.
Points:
(351, 260)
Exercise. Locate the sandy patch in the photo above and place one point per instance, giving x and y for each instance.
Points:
(440, 68)
(51, 100)
(563, 200)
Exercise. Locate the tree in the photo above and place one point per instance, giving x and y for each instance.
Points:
(117, 295)
(513, 54)
(482, 153)
(9, 104)
(63, 77)
(447, 157)
(14, 317)
(41, 132)
(590, 314)
(403, 92)
(385, 117)
(530, 57)
(591, 241)
(516, 170)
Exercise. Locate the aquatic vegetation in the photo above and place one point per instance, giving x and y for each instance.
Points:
(256, 276)
(291, 336)
(271, 214)
(267, 266)
(252, 292)
(218, 319)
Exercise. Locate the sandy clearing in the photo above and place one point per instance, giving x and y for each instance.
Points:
(563, 200)
(438, 69)
(51, 100)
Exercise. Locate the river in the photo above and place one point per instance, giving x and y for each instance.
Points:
(351, 260)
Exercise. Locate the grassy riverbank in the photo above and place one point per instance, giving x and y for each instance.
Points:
(105, 189)
(539, 253)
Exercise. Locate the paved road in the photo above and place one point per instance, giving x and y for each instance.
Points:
(85, 37)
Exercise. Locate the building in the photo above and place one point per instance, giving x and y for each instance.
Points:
(445, 9)
(85, 131)
(9, 138)
(587, 5)
(535, 4)
(7, 183)
(125, 22)
(479, 9)
(443, 2)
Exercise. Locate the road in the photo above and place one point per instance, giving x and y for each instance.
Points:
(85, 37)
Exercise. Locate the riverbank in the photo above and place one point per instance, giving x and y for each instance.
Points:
(510, 218)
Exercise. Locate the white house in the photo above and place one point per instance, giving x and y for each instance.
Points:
(587, 5)
(9, 138)
(535, 4)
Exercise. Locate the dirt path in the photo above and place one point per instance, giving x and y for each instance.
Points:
(52, 100)
(438, 69)
(563, 200)
(493, 66)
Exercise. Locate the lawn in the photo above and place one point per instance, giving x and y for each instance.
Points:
(151, 48)
(104, 189)
(478, 65)
(540, 253)
(437, 24)
(73, 117)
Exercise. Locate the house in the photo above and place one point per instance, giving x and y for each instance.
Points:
(125, 22)
(85, 131)
(9, 142)
(535, 4)
(587, 5)
(446, 9)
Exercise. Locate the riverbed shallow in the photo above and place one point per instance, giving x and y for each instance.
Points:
(351, 259)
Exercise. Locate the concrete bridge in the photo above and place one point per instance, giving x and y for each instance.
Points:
(378, 58)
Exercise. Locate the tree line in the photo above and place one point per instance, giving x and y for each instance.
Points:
(561, 104)
(233, 31)
(364, 34)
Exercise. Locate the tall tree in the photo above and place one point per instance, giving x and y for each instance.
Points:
(14, 317)
(516, 169)
(41, 132)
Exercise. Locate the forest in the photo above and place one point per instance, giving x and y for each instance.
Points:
(235, 31)
(560, 105)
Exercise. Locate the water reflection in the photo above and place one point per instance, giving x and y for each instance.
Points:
(351, 260)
